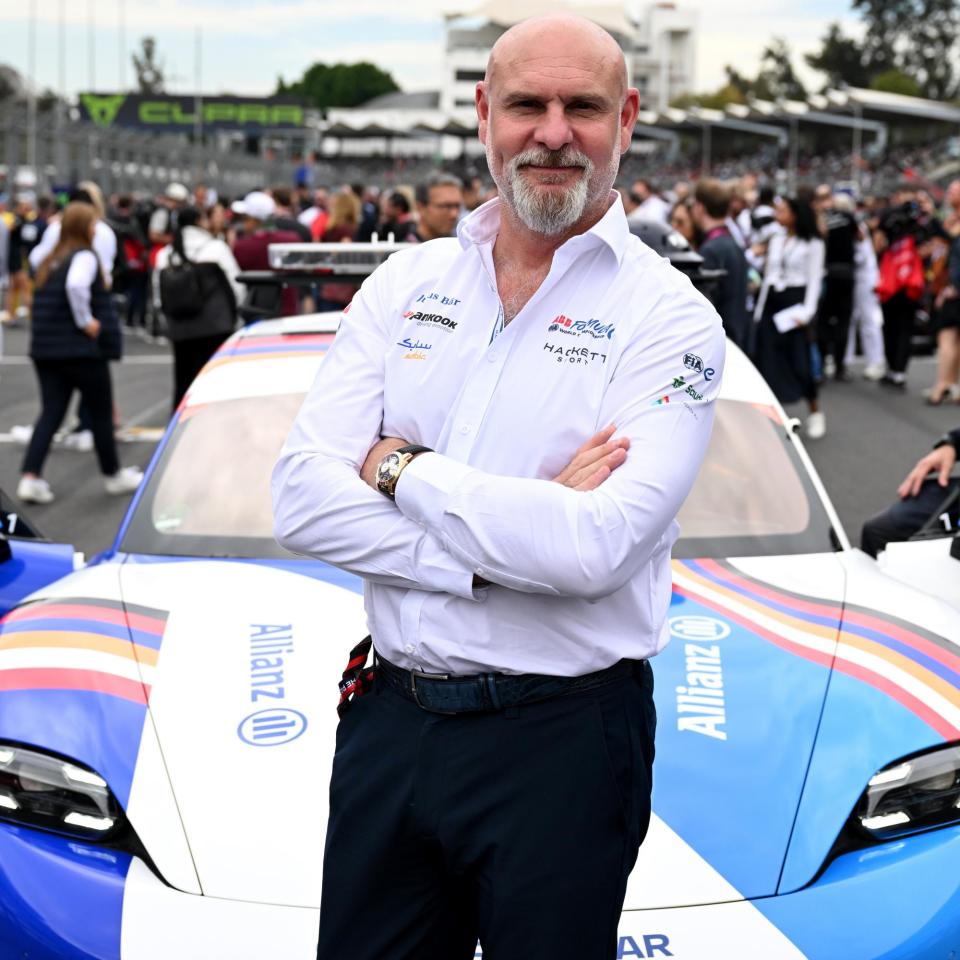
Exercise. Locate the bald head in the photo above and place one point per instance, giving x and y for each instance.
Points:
(558, 43)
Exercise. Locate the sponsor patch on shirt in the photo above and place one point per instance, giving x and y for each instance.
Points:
(583, 356)
(417, 349)
(593, 327)
(430, 319)
(440, 298)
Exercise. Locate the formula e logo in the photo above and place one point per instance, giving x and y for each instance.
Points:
(698, 628)
(270, 728)
(692, 362)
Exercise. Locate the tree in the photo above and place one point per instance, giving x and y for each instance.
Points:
(896, 81)
(885, 21)
(840, 58)
(777, 80)
(717, 100)
(340, 85)
(150, 73)
(930, 49)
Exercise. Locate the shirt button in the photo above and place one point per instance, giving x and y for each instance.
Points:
(464, 428)
(408, 648)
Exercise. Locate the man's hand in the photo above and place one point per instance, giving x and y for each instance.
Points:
(92, 329)
(368, 472)
(594, 461)
(939, 461)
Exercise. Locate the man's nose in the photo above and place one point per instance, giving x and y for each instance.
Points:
(553, 129)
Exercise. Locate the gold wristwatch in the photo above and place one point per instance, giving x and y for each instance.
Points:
(393, 464)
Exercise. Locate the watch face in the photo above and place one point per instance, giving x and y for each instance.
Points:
(387, 469)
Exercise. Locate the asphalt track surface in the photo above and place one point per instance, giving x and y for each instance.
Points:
(873, 436)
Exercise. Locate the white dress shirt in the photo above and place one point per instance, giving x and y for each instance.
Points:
(792, 262)
(104, 246)
(614, 335)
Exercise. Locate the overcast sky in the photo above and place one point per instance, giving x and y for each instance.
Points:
(246, 44)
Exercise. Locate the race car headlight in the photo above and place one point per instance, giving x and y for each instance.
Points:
(914, 794)
(46, 791)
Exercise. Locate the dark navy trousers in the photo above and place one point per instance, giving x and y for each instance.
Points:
(517, 828)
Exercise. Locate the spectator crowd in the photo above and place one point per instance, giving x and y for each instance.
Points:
(804, 282)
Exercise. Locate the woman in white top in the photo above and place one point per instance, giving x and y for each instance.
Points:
(787, 304)
(196, 332)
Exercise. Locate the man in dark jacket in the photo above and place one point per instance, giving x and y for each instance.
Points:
(836, 304)
(719, 250)
(924, 492)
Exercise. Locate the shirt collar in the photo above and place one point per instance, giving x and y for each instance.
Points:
(483, 224)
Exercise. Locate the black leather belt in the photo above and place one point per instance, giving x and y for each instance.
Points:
(486, 692)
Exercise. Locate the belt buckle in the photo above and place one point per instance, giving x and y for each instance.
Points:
(414, 675)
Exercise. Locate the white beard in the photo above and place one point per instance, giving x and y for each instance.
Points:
(549, 212)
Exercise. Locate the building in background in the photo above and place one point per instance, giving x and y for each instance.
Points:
(658, 41)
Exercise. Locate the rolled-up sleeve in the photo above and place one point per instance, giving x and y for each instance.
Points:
(541, 537)
(321, 506)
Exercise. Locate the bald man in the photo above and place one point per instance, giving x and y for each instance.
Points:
(498, 442)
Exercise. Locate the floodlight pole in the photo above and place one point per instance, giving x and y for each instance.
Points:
(32, 90)
(198, 107)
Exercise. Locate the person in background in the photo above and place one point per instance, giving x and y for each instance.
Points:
(195, 338)
(395, 219)
(106, 248)
(720, 251)
(901, 283)
(74, 333)
(472, 193)
(649, 204)
(315, 217)
(345, 212)
(867, 317)
(163, 220)
(439, 202)
(681, 219)
(738, 221)
(836, 303)
(924, 491)
(946, 386)
(369, 211)
(218, 221)
(256, 211)
(135, 276)
(24, 235)
(5, 317)
(283, 217)
(786, 306)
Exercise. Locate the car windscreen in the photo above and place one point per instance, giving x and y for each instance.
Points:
(753, 496)
(209, 495)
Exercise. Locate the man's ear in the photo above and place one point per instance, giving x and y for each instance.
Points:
(483, 111)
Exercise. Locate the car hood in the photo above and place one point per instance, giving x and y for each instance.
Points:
(243, 699)
(739, 691)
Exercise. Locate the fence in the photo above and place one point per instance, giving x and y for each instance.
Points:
(61, 150)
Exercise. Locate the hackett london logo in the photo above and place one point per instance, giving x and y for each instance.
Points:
(103, 110)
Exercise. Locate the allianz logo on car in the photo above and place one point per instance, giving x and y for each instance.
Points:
(270, 728)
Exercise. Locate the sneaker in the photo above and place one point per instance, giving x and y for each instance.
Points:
(80, 440)
(816, 426)
(21, 433)
(34, 490)
(125, 480)
(897, 381)
(829, 367)
(874, 371)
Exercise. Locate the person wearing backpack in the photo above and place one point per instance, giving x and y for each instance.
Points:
(74, 333)
(195, 284)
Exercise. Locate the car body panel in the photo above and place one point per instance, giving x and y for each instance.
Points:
(32, 565)
(248, 649)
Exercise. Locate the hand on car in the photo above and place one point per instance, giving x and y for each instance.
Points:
(594, 461)
(939, 461)
(92, 329)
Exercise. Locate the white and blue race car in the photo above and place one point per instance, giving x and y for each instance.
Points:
(167, 713)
